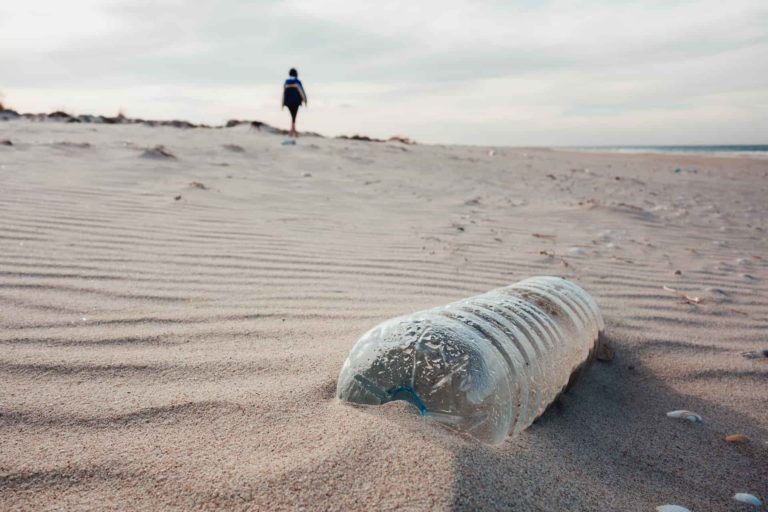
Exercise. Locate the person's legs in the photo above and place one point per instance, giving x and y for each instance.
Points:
(294, 110)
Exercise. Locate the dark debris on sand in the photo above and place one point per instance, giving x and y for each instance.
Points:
(67, 144)
(8, 114)
(365, 138)
(158, 152)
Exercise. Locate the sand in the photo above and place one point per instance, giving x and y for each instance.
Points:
(172, 328)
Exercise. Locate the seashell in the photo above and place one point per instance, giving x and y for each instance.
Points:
(686, 415)
(672, 508)
(688, 299)
(748, 499)
(737, 438)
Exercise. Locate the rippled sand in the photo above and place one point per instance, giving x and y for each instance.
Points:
(182, 353)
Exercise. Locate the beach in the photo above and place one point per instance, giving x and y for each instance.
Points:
(173, 321)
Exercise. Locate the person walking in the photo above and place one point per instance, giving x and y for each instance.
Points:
(293, 97)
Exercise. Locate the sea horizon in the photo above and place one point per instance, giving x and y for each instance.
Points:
(719, 149)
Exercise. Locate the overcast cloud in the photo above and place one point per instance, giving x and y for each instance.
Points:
(482, 72)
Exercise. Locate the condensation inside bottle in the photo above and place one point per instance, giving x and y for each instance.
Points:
(488, 365)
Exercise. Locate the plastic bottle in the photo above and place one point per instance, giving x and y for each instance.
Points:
(488, 365)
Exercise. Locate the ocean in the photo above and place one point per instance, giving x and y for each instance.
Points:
(725, 150)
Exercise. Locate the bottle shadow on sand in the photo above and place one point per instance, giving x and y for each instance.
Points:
(607, 444)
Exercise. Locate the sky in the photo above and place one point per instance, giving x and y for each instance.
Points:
(488, 72)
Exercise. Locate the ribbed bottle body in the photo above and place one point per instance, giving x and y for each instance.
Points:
(487, 365)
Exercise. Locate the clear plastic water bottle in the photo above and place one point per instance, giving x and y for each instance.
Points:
(488, 365)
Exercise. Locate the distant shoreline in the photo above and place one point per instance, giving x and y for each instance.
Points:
(751, 150)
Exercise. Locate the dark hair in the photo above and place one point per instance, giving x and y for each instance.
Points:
(293, 73)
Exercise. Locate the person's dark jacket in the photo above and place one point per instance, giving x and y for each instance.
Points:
(293, 93)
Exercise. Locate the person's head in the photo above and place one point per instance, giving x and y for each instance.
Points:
(293, 73)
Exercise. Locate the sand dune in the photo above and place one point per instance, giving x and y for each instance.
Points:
(174, 352)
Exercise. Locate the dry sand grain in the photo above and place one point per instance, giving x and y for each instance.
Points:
(182, 354)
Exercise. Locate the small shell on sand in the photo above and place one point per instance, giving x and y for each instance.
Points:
(688, 299)
(737, 438)
(672, 508)
(685, 415)
(748, 499)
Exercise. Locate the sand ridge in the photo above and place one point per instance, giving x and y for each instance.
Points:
(182, 353)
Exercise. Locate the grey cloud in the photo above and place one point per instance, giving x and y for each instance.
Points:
(240, 42)
(243, 43)
(237, 45)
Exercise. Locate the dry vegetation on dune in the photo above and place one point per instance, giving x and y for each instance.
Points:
(62, 115)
